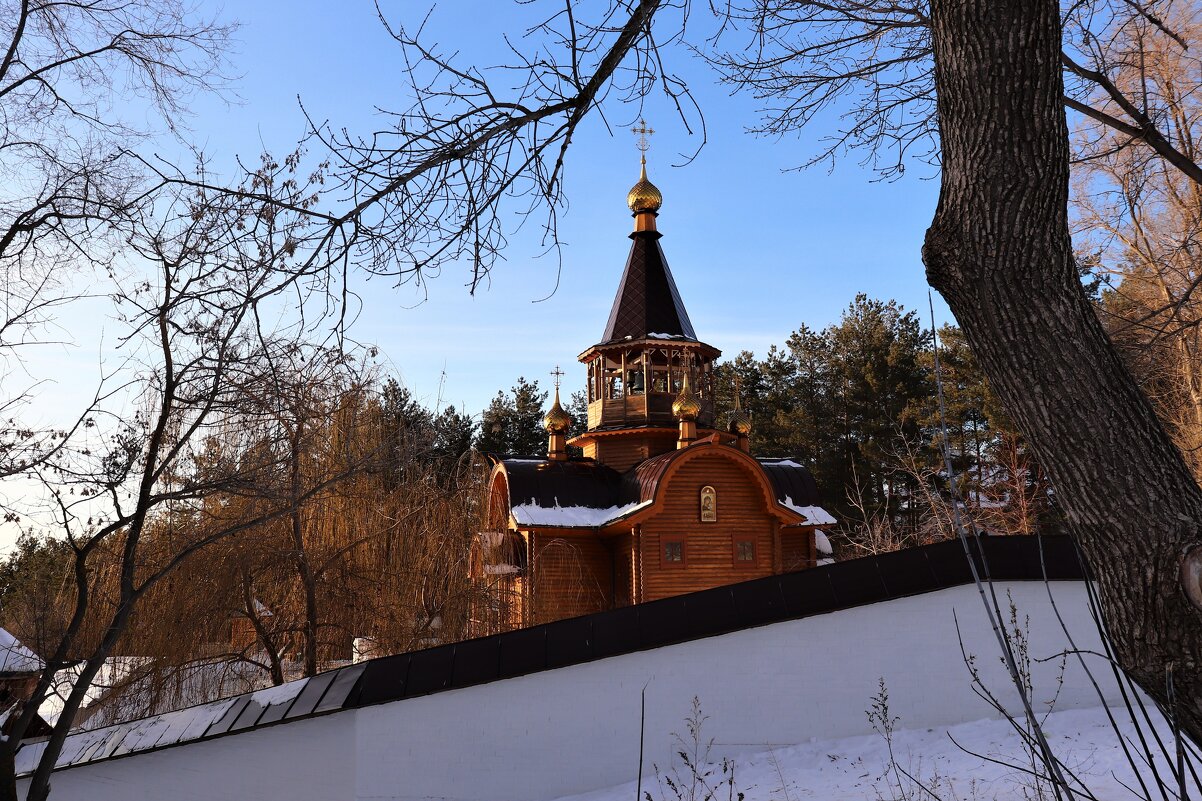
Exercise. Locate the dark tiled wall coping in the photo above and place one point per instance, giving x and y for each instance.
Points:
(579, 640)
(790, 596)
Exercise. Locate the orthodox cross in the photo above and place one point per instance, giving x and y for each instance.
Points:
(738, 390)
(557, 374)
(642, 132)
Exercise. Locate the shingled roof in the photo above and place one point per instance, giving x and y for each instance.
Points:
(647, 301)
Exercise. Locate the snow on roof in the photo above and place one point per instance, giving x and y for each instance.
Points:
(501, 570)
(814, 515)
(193, 723)
(822, 542)
(665, 336)
(15, 657)
(784, 463)
(531, 514)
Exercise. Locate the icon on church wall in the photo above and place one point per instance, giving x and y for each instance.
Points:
(709, 505)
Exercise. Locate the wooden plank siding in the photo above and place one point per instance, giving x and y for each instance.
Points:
(572, 575)
(563, 571)
(709, 548)
(623, 453)
(624, 555)
(797, 548)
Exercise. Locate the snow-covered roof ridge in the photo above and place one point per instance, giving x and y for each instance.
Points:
(15, 657)
(531, 514)
(783, 462)
(814, 515)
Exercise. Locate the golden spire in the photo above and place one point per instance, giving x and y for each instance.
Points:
(686, 406)
(556, 420)
(644, 196)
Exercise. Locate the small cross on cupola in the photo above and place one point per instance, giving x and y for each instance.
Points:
(644, 198)
(557, 422)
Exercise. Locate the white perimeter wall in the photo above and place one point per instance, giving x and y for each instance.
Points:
(575, 729)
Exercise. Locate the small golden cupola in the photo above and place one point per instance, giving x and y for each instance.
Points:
(557, 422)
(686, 408)
(739, 424)
(644, 196)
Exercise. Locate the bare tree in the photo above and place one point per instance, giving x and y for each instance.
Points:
(982, 88)
(198, 339)
(67, 165)
(1140, 219)
(871, 63)
(429, 189)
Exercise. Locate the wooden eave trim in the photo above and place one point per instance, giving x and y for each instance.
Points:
(706, 350)
(610, 433)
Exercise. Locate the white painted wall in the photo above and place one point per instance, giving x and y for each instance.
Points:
(575, 729)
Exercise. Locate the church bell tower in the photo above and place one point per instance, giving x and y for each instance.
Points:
(650, 379)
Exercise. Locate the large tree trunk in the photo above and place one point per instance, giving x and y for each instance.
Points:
(999, 252)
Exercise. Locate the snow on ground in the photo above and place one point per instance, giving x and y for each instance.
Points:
(858, 768)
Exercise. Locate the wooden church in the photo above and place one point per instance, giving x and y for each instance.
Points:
(663, 501)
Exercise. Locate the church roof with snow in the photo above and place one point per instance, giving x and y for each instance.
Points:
(15, 657)
(583, 493)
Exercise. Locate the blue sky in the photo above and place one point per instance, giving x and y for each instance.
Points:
(756, 251)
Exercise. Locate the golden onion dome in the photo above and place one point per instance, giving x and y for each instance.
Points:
(557, 421)
(687, 405)
(644, 196)
(739, 423)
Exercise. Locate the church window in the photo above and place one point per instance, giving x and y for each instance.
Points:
(672, 553)
(709, 505)
(745, 552)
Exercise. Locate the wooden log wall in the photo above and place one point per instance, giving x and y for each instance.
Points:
(572, 575)
(709, 548)
(623, 453)
(797, 548)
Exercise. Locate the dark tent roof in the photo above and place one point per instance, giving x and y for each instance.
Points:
(647, 300)
(791, 480)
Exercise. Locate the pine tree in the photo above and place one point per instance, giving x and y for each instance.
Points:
(512, 423)
(453, 435)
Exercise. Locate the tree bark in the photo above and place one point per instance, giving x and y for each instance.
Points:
(999, 251)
